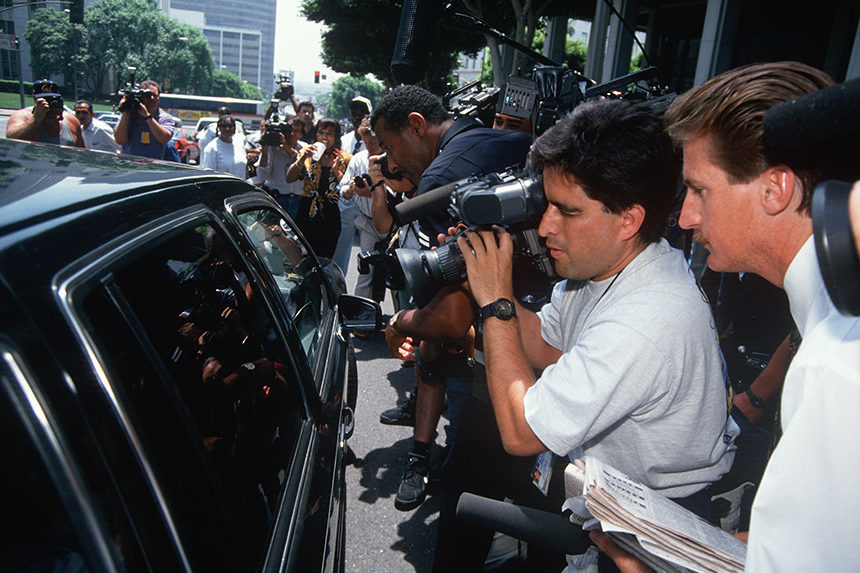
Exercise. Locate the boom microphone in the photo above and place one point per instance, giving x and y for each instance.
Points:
(549, 530)
(417, 19)
(425, 204)
(816, 127)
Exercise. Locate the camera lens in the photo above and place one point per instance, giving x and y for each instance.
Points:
(428, 271)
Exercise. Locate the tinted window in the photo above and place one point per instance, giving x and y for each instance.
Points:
(204, 375)
(299, 278)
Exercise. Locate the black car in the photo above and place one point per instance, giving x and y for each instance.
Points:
(177, 381)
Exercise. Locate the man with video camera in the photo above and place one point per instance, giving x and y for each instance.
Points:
(143, 128)
(430, 149)
(629, 365)
(46, 120)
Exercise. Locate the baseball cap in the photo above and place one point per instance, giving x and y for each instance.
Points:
(46, 88)
(361, 99)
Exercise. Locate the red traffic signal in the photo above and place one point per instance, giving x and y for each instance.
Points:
(316, 77)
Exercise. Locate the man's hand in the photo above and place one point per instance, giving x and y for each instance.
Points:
(396, 185)
(40, 109)
(625, 562)
(488, 255)
(402, 347)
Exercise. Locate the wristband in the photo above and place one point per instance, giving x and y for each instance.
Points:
(756, 400)
(392, 323)
(377, 184)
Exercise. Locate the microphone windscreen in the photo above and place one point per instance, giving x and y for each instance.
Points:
(417, 19)
(827, 118)
(550, 530)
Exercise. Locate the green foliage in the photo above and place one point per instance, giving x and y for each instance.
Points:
(250, 91)
(575, 52)
(636, 63)
(361, 35)
(49, 34)
(118, 34)
(346, 88)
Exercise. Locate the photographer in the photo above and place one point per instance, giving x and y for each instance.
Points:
(45, 120)
(430, 149)
(354, 186)
(275, 159)
(143, 128)
(630, 366)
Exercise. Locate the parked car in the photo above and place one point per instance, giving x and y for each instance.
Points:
(189, 151)
(176, 382)
(109, 118)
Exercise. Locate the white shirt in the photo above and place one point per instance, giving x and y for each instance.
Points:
(347, 143)
(807, 505)
(220, 155)
(274, 175)
(99, 135)
(640, 383)
(358, 165)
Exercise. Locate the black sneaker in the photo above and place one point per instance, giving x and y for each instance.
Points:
(413, 484)
(401, 415)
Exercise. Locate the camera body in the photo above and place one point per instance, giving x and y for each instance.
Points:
(285, 88)
(275, 125)
(132, 92)
(513, 199)
(386, 172)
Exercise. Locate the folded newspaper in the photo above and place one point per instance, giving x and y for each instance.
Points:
(646, 523)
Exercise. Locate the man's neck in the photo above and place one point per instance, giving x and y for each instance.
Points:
(631, 250)
(778, 247)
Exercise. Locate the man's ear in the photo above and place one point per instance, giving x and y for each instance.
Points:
(780, 188)
(417, 124)
(631, 220)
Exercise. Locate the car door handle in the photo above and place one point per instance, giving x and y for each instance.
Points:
(348, 422)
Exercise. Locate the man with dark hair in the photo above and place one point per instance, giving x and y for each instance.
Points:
(630, 366)
(431, 149)
(146, 130)
(46, 120)
(305, 112)
(97, 134)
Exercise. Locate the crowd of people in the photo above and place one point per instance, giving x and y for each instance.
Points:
(618, 356)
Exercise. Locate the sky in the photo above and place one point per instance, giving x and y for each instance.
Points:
(298, 44)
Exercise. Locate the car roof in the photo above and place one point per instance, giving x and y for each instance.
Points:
(40, 181)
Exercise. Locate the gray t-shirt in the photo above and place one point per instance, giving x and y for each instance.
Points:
(640, 383)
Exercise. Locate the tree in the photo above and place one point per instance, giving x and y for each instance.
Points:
(49, 34)
(346, 88)
(357, 44)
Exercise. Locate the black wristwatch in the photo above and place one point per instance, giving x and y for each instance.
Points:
(502, 309)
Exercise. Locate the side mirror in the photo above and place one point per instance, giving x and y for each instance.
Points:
(359, 314)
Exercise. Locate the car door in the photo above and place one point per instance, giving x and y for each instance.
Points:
(190, 344)
(307, 299)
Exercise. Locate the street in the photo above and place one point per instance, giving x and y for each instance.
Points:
(379, 537)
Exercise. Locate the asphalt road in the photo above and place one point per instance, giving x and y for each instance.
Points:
(379, 537)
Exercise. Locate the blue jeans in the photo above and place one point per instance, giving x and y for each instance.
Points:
(290, 204)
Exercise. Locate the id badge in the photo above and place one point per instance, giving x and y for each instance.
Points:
(542, 472)
(144, 137)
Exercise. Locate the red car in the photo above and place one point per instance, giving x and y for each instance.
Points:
(186, 145)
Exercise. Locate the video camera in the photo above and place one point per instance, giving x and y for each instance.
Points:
(285, 88)
(276, 124)
(132, 92)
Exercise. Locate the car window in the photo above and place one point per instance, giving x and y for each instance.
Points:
(190, 343)
(298, 276)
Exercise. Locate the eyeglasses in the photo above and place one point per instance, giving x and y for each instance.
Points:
(82, 112)
(226, 126)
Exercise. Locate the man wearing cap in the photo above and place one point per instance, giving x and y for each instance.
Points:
(146, 130)
(210, 132)
(46, 120)
(97, 134)
(359, 107)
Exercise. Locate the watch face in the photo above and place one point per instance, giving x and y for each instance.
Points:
(504, 308)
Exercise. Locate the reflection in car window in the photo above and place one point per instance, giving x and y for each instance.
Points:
(299, 279)
(185, 329)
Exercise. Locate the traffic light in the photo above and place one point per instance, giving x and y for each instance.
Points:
(316, 77)
(76, 12)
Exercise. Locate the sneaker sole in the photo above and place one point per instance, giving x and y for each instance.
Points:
(408, 505)
(390, 422)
